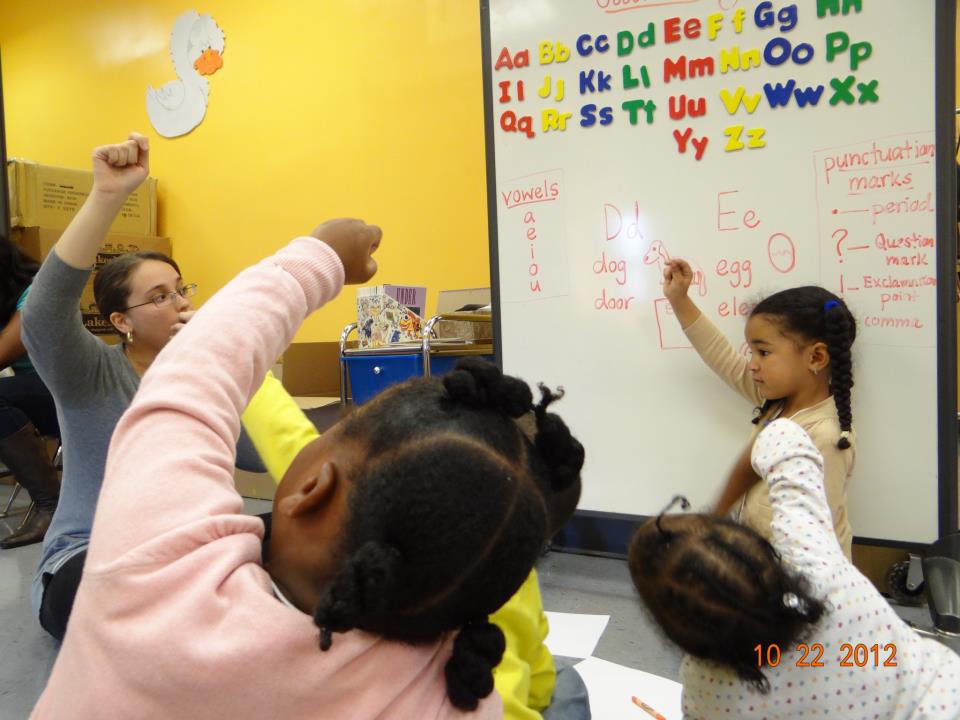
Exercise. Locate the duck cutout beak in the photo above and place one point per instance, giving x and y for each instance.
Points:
(209, 62)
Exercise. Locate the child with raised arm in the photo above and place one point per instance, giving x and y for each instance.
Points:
(788, 629)
(394, 535)
(800, 368)
(529, 683)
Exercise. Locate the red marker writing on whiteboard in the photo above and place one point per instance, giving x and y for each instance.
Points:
(647, 709)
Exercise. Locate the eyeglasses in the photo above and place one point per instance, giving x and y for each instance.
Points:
(162, 299)
(684, 505)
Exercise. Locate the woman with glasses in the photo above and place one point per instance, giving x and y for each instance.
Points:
(26, 406)
(142, 295)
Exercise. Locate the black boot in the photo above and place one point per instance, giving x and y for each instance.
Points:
(31, 530)
(25, 454)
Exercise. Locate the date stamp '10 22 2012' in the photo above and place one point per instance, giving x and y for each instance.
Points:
(858, 655)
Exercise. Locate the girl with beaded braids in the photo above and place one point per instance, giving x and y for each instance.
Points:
(440, 444)
(530, 682)
(394, 535)
(800, 368)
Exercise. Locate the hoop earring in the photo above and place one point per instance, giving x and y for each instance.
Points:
(814, 370)
(129, 337)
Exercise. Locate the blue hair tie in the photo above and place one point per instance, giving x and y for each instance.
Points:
(830, 305)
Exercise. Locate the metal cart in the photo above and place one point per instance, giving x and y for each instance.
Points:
(371, 370)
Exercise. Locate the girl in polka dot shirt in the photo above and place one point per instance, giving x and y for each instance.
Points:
(788, 629)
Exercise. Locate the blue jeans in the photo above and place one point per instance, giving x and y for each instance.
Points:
(570, 700)
(24, 399)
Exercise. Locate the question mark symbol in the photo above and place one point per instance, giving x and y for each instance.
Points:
(842, 233)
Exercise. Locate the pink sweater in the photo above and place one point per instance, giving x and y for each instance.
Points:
(175, 617)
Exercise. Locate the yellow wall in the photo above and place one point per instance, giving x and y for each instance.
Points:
(369, 108)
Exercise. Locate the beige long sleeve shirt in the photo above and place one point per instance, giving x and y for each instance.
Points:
(820, 421)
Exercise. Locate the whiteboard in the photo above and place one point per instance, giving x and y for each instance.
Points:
(621, 133)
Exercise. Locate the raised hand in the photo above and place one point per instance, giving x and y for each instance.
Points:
(677, 276)
(120, 168)
(355, 242)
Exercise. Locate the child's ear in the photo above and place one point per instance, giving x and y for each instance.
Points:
(819, 357)
(314, 493)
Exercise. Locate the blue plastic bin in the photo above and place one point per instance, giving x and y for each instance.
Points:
(371, 374)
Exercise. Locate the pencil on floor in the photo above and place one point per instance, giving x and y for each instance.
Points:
(646, 708)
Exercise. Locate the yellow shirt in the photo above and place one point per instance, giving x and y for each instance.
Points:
(526, 677)
(277, 426)
(820, 421)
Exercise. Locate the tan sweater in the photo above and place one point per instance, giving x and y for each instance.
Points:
(820, 421)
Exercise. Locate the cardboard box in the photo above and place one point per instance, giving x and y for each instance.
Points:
(312, 369)
(37, 243)
(465, 326)
(451, 301)
(389, 314)
(91, 315)
(48, 196)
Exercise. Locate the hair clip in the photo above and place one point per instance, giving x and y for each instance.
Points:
(684, 504)
(845, 434)
(830, 305)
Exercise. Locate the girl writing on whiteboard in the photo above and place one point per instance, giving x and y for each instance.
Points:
(800, 368)
(787, 628)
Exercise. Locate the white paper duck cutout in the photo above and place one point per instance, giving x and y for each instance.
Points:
(196, 47)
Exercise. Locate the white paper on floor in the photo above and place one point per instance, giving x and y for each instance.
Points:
(612, 688)
(574, 635)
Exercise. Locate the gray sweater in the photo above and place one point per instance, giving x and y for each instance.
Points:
(93, 384)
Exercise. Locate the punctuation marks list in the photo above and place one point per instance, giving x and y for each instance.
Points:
(877, 218)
